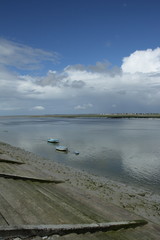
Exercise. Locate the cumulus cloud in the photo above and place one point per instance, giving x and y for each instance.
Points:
(99, 67)
(135, 86)
(78, 84)
(146, 61)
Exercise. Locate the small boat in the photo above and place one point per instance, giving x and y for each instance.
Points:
(53, 140)
(76, 152)
(62, 148)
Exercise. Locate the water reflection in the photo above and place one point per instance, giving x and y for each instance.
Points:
(124, 150)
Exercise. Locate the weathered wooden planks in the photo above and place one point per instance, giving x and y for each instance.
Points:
(33, 204)
(24, 171)
(47, 180)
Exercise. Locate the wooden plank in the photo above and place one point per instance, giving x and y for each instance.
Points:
(30, 206)
(25, 172)
(54, 209)
(34, 207)
(47, 180)
(65, 201)
(8, 159)
(93, 207)
(3, 221)
(9, 213)
(46, 230)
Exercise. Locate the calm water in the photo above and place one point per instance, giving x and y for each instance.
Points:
(127, 150)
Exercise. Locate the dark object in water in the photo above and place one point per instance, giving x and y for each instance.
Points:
(53, 140)
(62, 148)
(76, 152)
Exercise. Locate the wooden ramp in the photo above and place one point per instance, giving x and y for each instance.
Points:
(26, 200)
(35, 203)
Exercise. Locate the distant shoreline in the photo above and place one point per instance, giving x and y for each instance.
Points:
(114, 116)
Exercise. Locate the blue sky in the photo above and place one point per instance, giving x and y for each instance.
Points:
(79, 56)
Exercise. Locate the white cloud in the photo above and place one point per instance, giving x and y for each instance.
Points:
(38, 108)
(83, 106)
(114, 105)
(22, 56)
(145, 61)
(133, 86)
(29, 87)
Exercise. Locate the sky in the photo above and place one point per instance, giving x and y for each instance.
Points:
(79, 56)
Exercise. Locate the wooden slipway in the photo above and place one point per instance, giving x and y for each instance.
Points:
(29, 204)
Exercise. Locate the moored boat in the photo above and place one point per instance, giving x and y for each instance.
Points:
(53, 140)
(62, 148)
(76, 152)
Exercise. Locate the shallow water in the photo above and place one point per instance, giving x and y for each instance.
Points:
(127, 150)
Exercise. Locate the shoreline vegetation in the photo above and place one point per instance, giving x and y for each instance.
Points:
(102, 115)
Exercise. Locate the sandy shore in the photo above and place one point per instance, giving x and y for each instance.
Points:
(136, 200)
